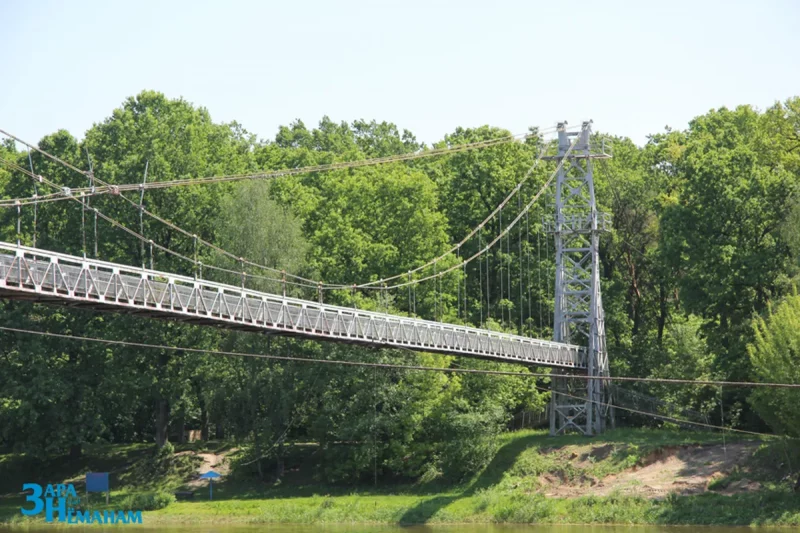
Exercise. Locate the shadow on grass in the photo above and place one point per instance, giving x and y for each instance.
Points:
(490, 476)
(508, 454)
(9, 508)
(130, 462)
(443, 494)
(235, 489)
(21, 469)
(131, 466)
(762, 508)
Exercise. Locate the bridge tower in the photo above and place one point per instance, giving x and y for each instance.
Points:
(576, 226)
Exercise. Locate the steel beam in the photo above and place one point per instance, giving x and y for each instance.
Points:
(39, 275)
(576, 226)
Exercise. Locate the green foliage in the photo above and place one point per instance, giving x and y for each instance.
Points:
(164, 455)
(684, 354)
(351, 239)
(723, 234)
(705, 238)
(469, 440)
(265, 232)
(775, 356)
(149, 501)
(506, 491)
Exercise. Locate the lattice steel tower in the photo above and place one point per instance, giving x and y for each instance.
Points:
(576, 227)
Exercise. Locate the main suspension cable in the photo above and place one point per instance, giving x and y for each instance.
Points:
(504, 232)
(108, 188)
(474, 230)
(67, 193)
(118, 189)
(143, 239)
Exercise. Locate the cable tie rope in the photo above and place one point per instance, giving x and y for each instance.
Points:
(117, 190)
(508, 228)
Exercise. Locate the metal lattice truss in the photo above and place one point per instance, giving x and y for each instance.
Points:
(33, 274)
(576, 226)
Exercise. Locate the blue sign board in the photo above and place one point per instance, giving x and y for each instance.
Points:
(97, 482)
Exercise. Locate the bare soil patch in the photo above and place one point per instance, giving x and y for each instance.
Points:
(676, 469)
(211, 461)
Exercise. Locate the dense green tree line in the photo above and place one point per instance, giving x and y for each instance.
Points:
(704, 244)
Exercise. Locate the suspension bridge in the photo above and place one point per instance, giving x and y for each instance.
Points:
(31, 273)
(38, 275)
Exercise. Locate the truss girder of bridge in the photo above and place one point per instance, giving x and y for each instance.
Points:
(39, 275)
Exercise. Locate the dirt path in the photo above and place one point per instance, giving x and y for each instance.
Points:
(680, 469)
(211, 461)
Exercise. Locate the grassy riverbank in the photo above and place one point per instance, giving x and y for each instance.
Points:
(635, 477)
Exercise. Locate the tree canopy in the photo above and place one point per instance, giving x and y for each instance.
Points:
(704, 246)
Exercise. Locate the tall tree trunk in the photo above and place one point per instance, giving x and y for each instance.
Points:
(204, 421)
(257, 449)
(162, 422)
(182, 430)
(75, 451)
(662, 311)
(723, 326)
(635, 294)
(279, 463)
(162, 403)
(75, 400)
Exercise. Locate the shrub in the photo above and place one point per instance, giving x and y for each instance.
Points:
(775, 355)
(149, 501)
(163, 459)
(468, 440)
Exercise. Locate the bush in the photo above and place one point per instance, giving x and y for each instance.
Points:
(163, 459)
(775, 355)
(165, 453)
(149, 501)
(468, 440)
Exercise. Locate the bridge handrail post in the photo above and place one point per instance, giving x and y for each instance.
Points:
(30, 271)
(19, 226)
(194, 238)
(410, 310)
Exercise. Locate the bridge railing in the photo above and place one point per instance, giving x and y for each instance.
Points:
(48, 276)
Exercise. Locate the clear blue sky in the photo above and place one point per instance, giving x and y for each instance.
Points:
(634, 67)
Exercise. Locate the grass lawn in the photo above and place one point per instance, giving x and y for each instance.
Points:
(508, 490)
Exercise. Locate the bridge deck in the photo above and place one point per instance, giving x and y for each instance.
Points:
(33, 274)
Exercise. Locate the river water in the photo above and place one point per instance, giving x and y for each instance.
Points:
(466, 528)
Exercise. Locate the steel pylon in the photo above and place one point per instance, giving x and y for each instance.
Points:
(576, 227)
